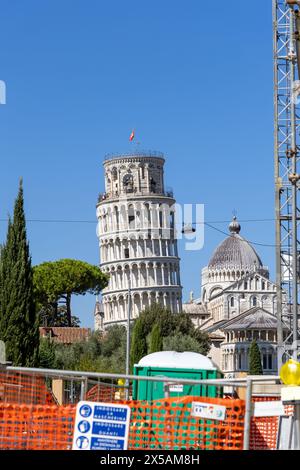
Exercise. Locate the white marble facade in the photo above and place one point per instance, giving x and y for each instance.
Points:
(136, 235)
(237, 304)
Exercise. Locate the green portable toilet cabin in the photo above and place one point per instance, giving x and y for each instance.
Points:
(186, 365)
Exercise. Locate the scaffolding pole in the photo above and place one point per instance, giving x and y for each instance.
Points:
(286, 163)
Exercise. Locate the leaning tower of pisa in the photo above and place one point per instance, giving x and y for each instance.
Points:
(138, 247)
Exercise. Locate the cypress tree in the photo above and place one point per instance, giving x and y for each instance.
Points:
(255, 367)
(18, 319)
(156, 343)
(138, 344)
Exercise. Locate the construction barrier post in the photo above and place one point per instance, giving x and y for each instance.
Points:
(83, 389)
(248, 414)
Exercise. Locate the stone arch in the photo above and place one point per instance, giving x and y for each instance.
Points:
(254, 301)
(131, 216)
(160, 298)
(146, 216)
(215, 290)
(143, 274)
(159, 273)
(116, 218)
(119, 276)
(135, 275)
(151, 275)
(265, 301)
(114, 174)
(145, 299)
(126, 270)
(118, 249)
(134, 247)
(122, 307)
(136, 304)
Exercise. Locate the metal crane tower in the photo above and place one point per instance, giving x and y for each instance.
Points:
(286, 25)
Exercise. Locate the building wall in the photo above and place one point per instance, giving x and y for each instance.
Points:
(225, 298)
(235, 355)
(215, 353)
(237, 298)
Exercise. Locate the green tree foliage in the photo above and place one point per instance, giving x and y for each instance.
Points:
(156, 343)
(138, 343)
(100, 353)
(181, 343)
(171, 326)
(59, 280)
(114, 338)
(106, 352)
(255, 367)
(56, 316)
(18, 319)
(47, 354)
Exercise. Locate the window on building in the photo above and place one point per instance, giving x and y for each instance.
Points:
(131, 216)
(240, 360)
(270, 361)
(232, 302)
(263, 285)
(172, 220)
(114, 174)
(126, 253)
(254, 301)
(160, 219)
(264, 361)
(152, 185)
(245, 285)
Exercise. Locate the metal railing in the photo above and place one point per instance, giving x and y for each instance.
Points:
(134, 154)
(84, 379)
(103, 196)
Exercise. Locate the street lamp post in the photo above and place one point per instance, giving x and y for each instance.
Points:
(128, 338)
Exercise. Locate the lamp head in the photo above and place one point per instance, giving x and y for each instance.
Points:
(290, 373)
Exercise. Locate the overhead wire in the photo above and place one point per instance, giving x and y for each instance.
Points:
(208, 224)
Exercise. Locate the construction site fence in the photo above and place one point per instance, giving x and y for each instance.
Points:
(37, 412)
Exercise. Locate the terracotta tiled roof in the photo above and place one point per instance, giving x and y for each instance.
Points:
(65, 334)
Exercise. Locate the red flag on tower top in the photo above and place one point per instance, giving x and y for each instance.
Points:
(131, 136)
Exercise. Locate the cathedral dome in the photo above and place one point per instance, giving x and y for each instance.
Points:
(235, 252)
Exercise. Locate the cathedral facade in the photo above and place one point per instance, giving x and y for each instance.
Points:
(237, 305)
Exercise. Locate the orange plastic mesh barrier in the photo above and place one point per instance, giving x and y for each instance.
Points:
(24, 388)
(164, 424)
(106, 393)
(39, 427)
(263, 433)
(168, 424)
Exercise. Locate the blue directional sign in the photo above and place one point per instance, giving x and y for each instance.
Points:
(101, 426)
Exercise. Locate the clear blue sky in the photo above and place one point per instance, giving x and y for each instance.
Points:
(193, 78)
